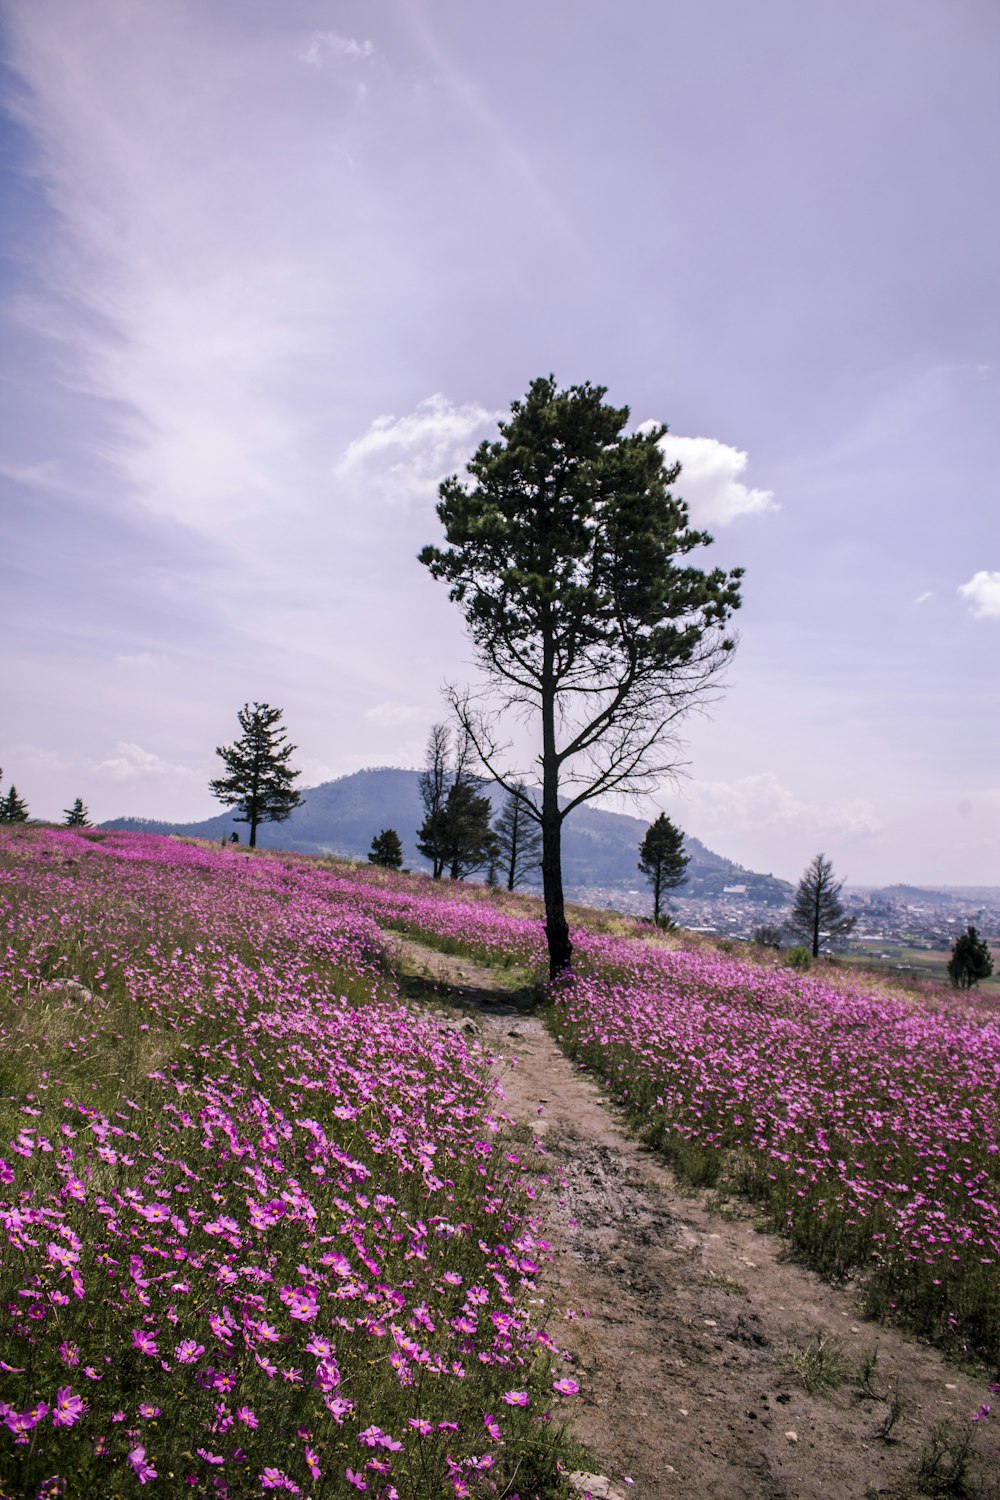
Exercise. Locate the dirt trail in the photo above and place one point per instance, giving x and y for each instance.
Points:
(686, 1318)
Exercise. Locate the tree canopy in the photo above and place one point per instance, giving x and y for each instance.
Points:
(76, 816)
(386, 850)
(970, 960)
(259, 779)
(567, 554)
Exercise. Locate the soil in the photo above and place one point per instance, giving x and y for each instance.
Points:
(691, 1329)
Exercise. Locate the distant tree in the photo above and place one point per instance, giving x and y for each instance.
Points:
(767, 936)
(76, 816)
(13, 809)
(568, 554)
(386, 850)
(469, 840)
(970, 960)
(662, 859)
(259, 779)
(818, 911)
(433, 785)
(519, 840)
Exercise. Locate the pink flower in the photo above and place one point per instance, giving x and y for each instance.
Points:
(355, 1479)
(566, 1387)
(273, 1479)
(245, 1415)
(143, 1471)
(68, 1408)
(210, 1458)
(312, 1463)
(144, 1342)
(516, 1398)
(491, 1427)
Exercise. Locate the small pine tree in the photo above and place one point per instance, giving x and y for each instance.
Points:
(13, 809)
(386, 850)
(259, 782)
(818, 911)
(970, 960)
(76, 816)
(469, 840)
(662, 859)
(519, 839)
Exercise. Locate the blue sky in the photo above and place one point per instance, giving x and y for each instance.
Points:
(275, 270)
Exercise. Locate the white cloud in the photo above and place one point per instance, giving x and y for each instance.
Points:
(758, 803)
(130, 762)
(983, 594)
(392, 715)
(923, 598)
(139, 659)
(711, 481)
(327, 44)
(404, 459)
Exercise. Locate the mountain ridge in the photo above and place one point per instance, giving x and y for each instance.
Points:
(600, 848)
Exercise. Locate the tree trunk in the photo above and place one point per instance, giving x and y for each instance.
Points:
(556, 927)
(816, 928)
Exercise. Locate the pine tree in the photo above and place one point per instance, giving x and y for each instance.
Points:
(519, 839)
(567, 552)
(386, 850)
(818, 911)
(13, 809)
(76, 816)
(259, 780)
(455, 835)
(662, 859)
(433, 784)
(970, 960)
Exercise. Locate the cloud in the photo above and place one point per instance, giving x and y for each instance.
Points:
(392, 715)
(140, 659)
(130, 762)
(404, 459)
(710, 480)
(329, 44)
(923, 598)
(758, 803)
(983, 595)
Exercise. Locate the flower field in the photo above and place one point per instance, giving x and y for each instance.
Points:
(259, 1230)
(869, 1128)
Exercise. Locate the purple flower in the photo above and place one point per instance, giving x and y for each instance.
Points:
(143, 1471)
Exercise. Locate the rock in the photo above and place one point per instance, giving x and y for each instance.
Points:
(791, 1437)
(597, 1486)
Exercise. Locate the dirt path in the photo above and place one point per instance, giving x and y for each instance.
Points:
(687, 1319)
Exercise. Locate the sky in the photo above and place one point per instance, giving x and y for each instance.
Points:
(270, 272)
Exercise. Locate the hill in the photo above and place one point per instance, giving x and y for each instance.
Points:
(600, 849)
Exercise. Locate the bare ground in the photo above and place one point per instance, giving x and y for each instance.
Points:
(693, 1334)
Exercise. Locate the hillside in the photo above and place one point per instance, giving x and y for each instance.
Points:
(341, 817)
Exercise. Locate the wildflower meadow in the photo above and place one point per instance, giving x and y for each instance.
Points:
(867, 1127)
(259, 1227)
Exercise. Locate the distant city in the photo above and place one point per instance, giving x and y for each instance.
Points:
(904, 927)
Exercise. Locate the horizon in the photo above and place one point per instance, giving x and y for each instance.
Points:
(268, 280)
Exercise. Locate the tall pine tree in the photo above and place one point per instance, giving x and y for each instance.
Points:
(567, 552)
(258, 780)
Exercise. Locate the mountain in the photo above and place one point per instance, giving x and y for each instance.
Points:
(600, 849)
